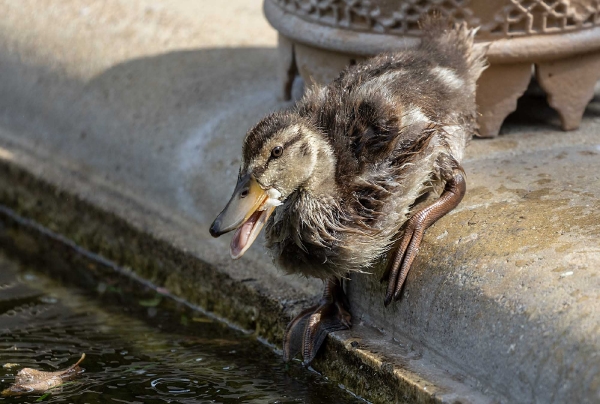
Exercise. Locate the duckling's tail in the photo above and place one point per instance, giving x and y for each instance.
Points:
(452, 45)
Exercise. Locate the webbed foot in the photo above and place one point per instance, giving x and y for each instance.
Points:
(408, 245)
(307, 331)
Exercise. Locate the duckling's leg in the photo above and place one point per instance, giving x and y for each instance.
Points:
(415, 228)
(307, 331)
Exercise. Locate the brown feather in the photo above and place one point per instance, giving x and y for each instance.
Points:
(395, 125)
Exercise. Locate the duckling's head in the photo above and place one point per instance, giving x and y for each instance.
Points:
(283, 153)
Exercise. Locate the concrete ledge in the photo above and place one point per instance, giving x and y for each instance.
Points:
(121, 132)
(458, 334)
(507, 285)
(39, 221)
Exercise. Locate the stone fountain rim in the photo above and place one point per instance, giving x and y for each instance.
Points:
(531, 48)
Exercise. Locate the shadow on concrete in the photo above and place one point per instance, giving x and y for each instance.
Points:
(147, 122)
(534, 114)
(168, 129)
(182, 117)
(173, 89)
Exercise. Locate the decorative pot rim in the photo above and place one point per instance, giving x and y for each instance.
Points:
(531, 48)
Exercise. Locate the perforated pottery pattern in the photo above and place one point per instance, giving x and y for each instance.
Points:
(559, 40)
(497, 18)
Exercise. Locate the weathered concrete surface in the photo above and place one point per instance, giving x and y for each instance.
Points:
(507, 286)
(138, 108)
(132, 96)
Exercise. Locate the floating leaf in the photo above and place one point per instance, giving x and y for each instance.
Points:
(10, 365)
(36, 381)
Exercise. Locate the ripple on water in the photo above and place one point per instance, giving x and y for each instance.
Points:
(133, 356)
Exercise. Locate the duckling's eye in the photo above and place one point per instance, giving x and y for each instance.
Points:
(277, 151)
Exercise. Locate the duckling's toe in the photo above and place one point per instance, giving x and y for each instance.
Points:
(294, 334)
(415, 228)
(307, 331)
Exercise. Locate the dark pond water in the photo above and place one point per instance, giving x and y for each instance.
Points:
(152, 351)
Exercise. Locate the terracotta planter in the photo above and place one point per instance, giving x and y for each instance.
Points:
(557, 40)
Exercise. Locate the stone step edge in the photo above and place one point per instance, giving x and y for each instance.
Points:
(35, 212)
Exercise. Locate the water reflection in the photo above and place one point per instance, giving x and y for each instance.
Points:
(150, 352)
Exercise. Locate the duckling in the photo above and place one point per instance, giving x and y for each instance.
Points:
(336, 181)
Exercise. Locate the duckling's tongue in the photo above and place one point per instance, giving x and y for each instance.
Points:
(245, 235)
(242, 235)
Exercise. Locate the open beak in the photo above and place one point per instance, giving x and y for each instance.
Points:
(246, 212)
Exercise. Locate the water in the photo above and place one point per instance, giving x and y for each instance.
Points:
(151, 351)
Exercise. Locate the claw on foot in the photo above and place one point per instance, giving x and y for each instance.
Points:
(408, 245)
(307, 331)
